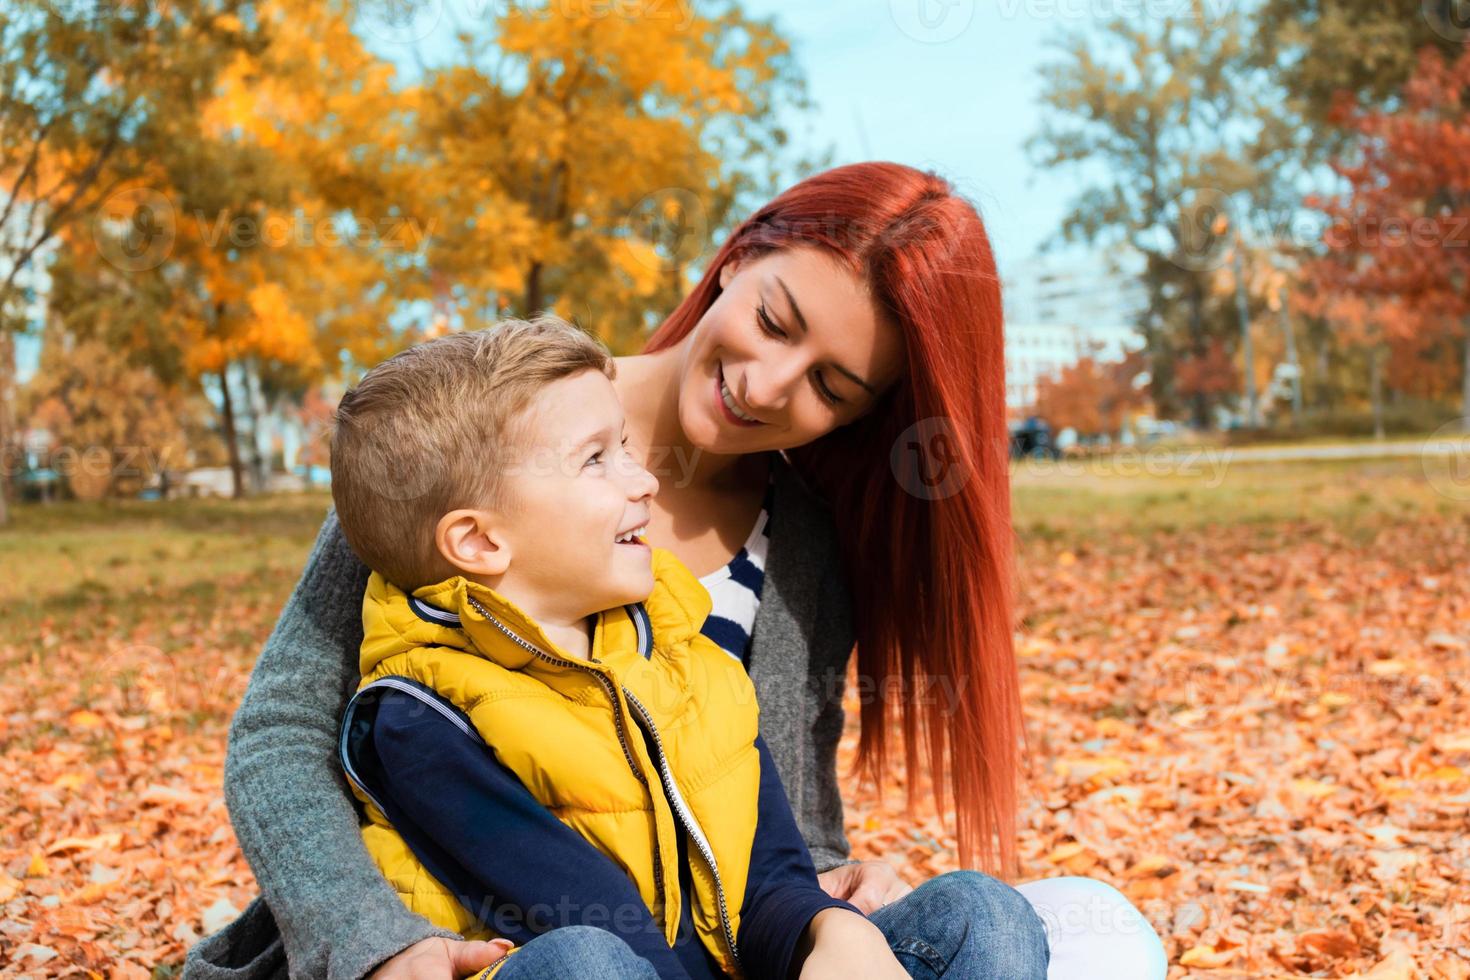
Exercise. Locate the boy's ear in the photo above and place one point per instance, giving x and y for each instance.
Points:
(471, 541)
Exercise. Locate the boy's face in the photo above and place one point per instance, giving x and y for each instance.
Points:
(575, 491)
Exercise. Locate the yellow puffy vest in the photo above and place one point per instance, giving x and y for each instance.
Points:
(571, 731)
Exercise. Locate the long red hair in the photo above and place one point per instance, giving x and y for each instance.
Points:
(928, 562)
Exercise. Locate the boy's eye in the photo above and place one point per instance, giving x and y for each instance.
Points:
(597, 456)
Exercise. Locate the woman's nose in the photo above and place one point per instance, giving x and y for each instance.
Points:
(767, 389)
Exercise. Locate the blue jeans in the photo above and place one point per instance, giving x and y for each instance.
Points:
(960, 925)
(965, 924)
(575, 952)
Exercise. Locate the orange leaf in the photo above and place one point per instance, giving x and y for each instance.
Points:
(1207, 957)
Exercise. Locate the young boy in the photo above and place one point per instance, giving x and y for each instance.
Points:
(484, 477)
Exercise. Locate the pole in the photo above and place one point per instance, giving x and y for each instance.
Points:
(1296, 377)
(1245, 336)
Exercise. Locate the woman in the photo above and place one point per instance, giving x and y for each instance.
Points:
(836, 382)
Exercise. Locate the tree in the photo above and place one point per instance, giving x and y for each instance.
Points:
(1094, 397)
(582, 155)
(253, 255)
(1175, 124)
(89, 93)
(115, 425)
(278, 207)
(1400, 233)
(1322, 51)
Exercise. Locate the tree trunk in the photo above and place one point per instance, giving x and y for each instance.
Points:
(1325, 398)
(1247, 353)
(259, 469)
(533, 298)
(1375, 381)
(1199, 403)
(1294, 360)
(1465, 381)
(8, 453)
(232, 441)
(1160, 360)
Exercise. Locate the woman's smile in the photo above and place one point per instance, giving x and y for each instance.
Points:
(729, 408)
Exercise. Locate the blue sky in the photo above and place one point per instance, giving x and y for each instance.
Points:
(963, 102)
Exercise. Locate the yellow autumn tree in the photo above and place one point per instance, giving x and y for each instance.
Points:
(582, 154)
(94, 94)
(257, 245)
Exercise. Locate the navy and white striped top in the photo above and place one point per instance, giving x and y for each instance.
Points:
(735, 589)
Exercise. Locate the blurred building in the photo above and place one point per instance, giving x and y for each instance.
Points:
(1061, 308)
(32, 283)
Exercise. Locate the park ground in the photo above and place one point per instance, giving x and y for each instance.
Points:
(1246, 690)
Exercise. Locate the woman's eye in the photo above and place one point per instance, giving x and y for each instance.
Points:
(826, 394)
(768, 326)
(594, 458)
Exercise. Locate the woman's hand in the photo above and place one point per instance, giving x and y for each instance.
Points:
(868, 885)
(442, 959)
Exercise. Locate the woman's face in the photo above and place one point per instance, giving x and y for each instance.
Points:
(791, 349)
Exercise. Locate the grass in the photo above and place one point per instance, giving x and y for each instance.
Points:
(1089, 499)
(129, 562)
(120, 564)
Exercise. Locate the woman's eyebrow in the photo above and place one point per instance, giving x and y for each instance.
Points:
(801, 320)
(796, 310)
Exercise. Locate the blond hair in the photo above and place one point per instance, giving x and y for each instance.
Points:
(432, 429)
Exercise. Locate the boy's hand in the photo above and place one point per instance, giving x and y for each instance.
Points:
(869, 885)
(442, 959)
(839, 945)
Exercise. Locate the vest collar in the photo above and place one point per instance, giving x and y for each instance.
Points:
(505, 633)
(460, 613)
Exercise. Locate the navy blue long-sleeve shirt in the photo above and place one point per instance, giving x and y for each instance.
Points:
(522, 872)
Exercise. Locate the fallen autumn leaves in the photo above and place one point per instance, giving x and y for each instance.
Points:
(1259, 732)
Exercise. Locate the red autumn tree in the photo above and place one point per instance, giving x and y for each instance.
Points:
(1212, 373)
(1400, 235)
(1091, 396)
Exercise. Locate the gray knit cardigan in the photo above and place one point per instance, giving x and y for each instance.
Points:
(324, 908)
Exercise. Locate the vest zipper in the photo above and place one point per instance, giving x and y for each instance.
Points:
(687, 818)
(611, 689)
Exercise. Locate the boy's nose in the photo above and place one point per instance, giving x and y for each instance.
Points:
(646, 484)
